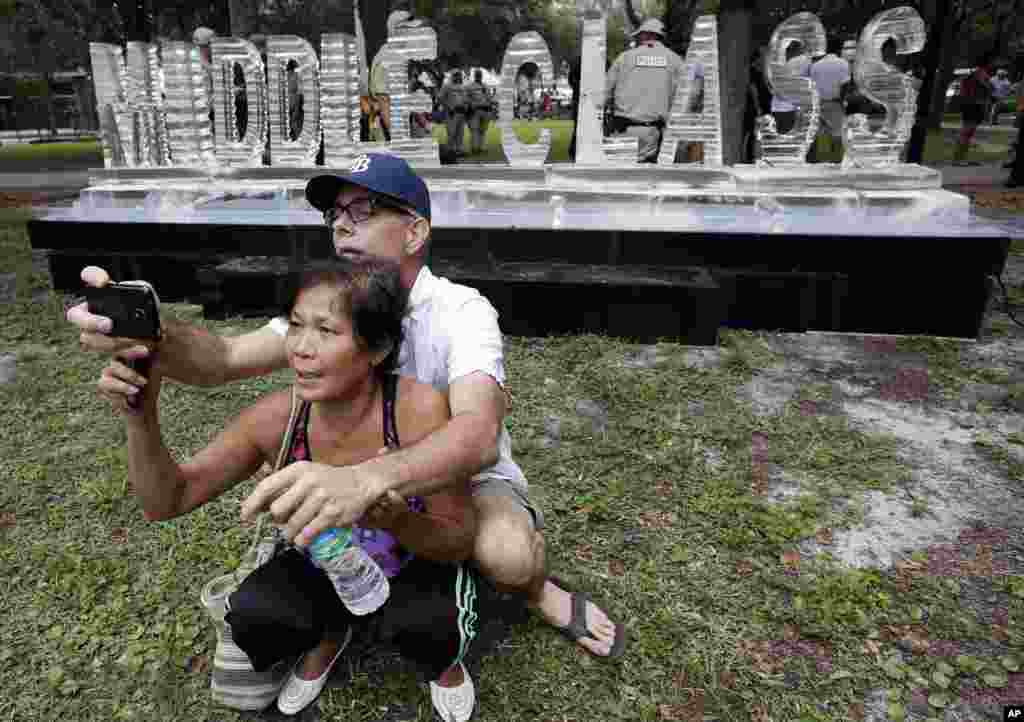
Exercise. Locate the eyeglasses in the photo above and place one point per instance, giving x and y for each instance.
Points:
(359, 210)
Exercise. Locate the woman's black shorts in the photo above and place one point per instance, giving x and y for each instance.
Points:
(286, 607)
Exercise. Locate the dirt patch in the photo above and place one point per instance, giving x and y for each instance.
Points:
(883, 389)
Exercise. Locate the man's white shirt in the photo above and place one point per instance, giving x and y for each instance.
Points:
(829, 74)
(1000, 88)
(799, 66)
(450, 331)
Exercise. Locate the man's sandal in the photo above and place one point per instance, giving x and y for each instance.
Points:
(576, 629)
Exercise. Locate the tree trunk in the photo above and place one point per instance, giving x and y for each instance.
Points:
(238, 14)
(374, 14)
(943, 77)
(678, 23)
(934, 51)
(735, 42)
(631, 15)
(51, 116)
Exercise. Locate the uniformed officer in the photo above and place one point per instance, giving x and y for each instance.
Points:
(455, 101)
(479, 112)
(640, 88)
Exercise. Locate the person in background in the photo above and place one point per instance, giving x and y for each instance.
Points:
(479, 112)
(455, 100)
(640, 87)
(202, 37)
(574, 83)
(1016, 179)
(831, 75)
(1000, 93)
(419, 125)
(975, 94)
(695, 151)
(380, 94)
(782, 109)
(759, 100)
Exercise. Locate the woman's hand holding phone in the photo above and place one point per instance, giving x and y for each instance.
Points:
(131, 392)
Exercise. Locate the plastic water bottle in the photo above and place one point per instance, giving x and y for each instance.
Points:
(357, 578)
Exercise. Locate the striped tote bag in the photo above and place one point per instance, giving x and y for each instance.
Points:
(234, 683)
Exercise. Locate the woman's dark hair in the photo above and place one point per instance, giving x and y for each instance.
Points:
(369, 291)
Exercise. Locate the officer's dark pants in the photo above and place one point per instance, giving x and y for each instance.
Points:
(456, 131)
(648, 142)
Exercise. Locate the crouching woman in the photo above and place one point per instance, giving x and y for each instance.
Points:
(345, 326)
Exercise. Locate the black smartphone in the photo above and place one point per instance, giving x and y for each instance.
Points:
(132, 306)
(134, 311)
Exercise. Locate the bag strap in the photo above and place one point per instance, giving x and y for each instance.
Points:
(282, 456)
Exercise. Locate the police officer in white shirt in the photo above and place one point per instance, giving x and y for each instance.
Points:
(452, 341)
(640, 87)
(832, 76)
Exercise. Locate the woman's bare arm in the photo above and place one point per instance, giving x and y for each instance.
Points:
(187, 353)
(167, 489)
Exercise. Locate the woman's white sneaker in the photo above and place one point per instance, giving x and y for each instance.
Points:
(298, 693)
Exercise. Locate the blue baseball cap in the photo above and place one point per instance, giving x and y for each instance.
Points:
(381, 173)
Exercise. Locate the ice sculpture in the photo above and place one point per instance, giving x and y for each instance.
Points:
(526, 47)
(339, 104)
(187, 105)
(886, 85)
(705, 125)
(301, 151)
(232, 147)
(591, 146)
(129, 98)
(791, 148)
(407, 41)
(146, 97)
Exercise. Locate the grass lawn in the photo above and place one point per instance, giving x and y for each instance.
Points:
(27, 157)
(658, 515)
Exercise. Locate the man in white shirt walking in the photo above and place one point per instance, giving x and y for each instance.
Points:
(783, 110)
(452, 341)
(1001, 88)
(831, 74)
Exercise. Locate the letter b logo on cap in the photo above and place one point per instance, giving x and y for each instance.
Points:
(360, 164)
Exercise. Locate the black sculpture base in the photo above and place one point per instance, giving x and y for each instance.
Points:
(632, 284)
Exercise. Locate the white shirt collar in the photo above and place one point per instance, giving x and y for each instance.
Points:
(420, 292)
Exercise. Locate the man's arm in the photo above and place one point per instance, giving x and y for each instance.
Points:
(458, 450)
(193, 355)
(307, 498)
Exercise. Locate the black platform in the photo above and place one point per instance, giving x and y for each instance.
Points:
(633, 284)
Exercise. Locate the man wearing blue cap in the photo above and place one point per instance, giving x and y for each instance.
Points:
(380, 207)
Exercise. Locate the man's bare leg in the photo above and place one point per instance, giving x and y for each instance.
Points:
(511, 554)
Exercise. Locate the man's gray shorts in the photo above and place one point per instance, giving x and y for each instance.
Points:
(517, 491)
(832, 116)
